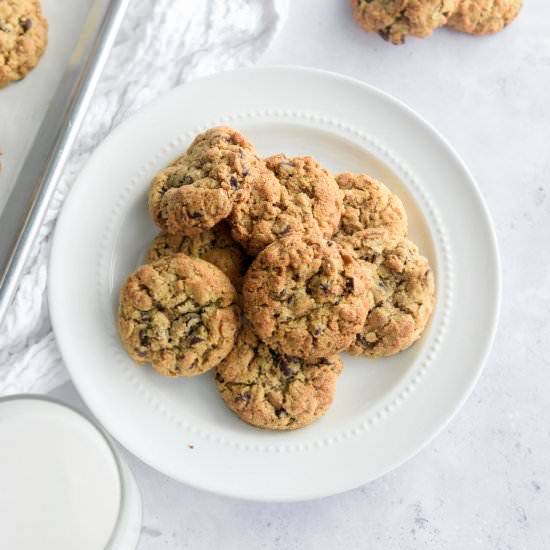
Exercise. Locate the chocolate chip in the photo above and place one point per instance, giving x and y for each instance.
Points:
(363, 341)
(350, 284)
(194, 363)
(279, 295)
(323, 361)
(195, 340)
(279, 411)
(196, 215)
(233, 182)
(284, 230)
(244, 171)
(141, 353)
(385, 33)
(219, 378)
(193, 322)
(26, 24)
(289, 299)
(143, 338)
(317, 331)
(284, 368)
(245, 396)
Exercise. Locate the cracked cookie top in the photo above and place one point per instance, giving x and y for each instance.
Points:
(403, 294)
(199, 188)
(301, 197)
(484, 16)
(272, 390)
(306, 296)
(23, 38)
(214, 245)
(178, 314)
(394, 20)
(369, 203)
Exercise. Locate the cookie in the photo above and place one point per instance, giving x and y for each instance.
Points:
(402, 294)
(23, 38)
(274, 391)
(484, 16)
(306, 296)
(199, 189)
(369, 203)
(394, 20)
(214, 245)
(302, 197)
(178, 314)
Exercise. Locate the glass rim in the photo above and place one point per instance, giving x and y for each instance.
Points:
(104, 436)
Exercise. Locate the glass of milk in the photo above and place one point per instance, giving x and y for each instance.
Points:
(63, 486)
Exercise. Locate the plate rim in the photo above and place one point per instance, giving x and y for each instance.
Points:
(460, 398)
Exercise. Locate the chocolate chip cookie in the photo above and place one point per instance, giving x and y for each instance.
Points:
(394, 20)
(214, 245)
(199, 189)
(306, 296)
(402, 294)
(275, 391)
(178, 314)
(484, 16)
(302, 197)
(369, 203)
(23, 38)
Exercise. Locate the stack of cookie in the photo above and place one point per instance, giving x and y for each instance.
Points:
(267, 269)
(394, 20)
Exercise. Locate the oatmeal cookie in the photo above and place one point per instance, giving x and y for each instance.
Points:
(23, 38)
(402, 294)
(394, 20)
(302, 197)
(484, 16)
(306, 296)
(199, 189)
(274, 391)
(369, 203)
(178, 314)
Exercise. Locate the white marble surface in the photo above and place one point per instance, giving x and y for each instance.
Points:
(484, 483)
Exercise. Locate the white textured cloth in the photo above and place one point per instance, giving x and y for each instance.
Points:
(162, 43)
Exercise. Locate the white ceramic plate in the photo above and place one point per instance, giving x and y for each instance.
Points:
(385, 410)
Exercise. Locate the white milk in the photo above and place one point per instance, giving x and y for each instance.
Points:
(60, 487)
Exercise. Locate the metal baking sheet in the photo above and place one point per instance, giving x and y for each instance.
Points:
(24, 104)
(39, 121)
